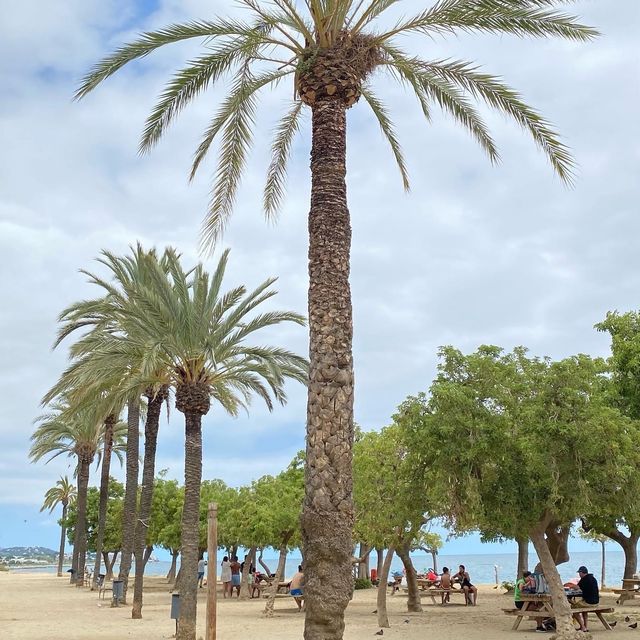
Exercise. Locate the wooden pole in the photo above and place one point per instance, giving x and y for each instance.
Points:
(212, 570)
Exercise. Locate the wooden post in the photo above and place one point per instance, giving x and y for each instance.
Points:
(212, 570)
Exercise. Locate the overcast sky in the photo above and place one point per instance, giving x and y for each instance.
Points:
(474, 254)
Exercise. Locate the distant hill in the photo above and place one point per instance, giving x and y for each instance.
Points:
(27, 555)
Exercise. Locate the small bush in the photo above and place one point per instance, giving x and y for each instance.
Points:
(362, 583)
(508, 586)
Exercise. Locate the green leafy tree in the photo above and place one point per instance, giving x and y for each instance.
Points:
(518, 443)
(64, 493)
(330, 51)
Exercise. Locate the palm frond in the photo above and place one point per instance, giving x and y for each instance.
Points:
(501, 97)
(386, 126)
(517, 17)
(152, 40)
(280, 150)
(235, 120)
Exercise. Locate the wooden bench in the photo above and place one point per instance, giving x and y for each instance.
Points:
(432, 593)
(534, 614)
(625, 594)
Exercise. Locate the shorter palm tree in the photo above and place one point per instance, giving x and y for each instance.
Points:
(78, 433)
(63, 493)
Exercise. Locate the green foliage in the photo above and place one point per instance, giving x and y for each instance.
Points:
(283, 40)
(362, 583)
(166, 511)
(508, 585)
(64, 493)
(113, 525)
(513, 439)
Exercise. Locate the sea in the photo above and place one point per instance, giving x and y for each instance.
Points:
(481, 567)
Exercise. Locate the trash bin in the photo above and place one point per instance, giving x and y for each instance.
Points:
(175, 606)
(118, 592)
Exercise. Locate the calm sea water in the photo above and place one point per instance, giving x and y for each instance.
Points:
(480, 566)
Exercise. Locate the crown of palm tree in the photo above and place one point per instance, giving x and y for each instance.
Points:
(331, 47)
(64, 492)
(65, 430)
(175, 326)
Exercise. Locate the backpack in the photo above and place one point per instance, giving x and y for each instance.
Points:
(541, 583)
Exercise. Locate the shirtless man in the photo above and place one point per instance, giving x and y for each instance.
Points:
(296, 587)
(470, 591)
(445, 585)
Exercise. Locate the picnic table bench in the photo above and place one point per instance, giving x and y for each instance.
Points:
(546, 610)
(630, 589)
(437, 591)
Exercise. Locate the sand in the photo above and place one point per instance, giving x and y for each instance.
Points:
(44, 607)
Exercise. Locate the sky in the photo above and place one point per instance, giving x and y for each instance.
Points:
(474, 254)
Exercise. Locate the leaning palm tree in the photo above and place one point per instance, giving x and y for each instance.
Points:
(64, 493)
(329, 49)
(88, 371)
(77, 433)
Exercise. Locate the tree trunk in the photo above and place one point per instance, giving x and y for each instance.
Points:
(381, 599)
(74, 561)
(109, 564)
(63, 533)
(190, 524)
(109, 424)
(434, 559)
(327, 517)
(363, 565)
(244, 580)
(380, 561)
(262, 563)
(603, 566)
(629, 545)
(130, 507)
(557, 542)
(413, 600)
(148, 551)
(564, 627)
(152, 423)
(171, 576)
(80, 533)
(282, 559)
(523, 556)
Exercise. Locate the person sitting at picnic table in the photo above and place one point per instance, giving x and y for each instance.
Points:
(432, 576)
(445, 585)
(590, 596)
(464, 580)
(296, 587)
(524, 585)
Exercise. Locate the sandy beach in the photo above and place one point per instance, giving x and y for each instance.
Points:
(41, 606)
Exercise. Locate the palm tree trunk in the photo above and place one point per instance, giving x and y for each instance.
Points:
(327, 518)
(152, 424)
(379, 561)
(282, 559)
(413, 600)
(109, 424)
(63, 533)
(523, 556)
(148, 551)
(564, 627)
(171, 576)
(190, 526)
(363, 566)
(434, 559)
(383, 578)
(130, 491)
(74, 561)
(603, 566)
(80, 533)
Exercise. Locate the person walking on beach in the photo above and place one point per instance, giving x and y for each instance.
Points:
(235, 575)
(201, 566)
(225, 576)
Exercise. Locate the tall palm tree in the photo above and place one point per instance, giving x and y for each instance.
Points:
(77, 433)
(63, 493)
(329, 49)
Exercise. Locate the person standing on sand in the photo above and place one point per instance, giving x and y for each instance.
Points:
(235, 575)
(201, 566)
(296, 587)
(225, 576)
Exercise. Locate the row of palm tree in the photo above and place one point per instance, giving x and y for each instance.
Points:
(330, 50)
(159, 330)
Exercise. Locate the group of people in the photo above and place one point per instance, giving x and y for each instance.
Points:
(446, 581)
(231, 574)
(584, 593)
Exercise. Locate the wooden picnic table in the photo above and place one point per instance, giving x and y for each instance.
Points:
(630, 589)
(437, 591)
(424, 583)
(538, 605)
